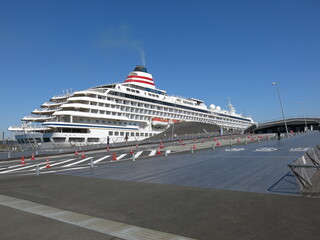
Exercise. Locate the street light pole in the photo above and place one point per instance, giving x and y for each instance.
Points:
(304, 117)
(284, 119)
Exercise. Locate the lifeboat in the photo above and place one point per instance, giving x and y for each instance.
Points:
(162, 122)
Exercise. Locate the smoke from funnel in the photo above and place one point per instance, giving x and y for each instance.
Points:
(143, 57)
(122, 39)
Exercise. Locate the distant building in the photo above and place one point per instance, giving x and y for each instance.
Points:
(1, 135)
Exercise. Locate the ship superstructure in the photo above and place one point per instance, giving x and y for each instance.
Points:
(129, 111)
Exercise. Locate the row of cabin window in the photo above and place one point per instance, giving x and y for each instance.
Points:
(136, 91)
(109, 122)
(132, 134)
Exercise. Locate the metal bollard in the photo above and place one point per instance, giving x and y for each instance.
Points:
(213, 147)
(258, 140)
(60, 150)
(133, 158)
(230, 144)
(9, 155)
(246, 142)
(191, 149)
(165, 153)
(36, 152)
(37, 170)
(91, 163)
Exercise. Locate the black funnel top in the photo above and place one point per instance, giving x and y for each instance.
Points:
(140, 68)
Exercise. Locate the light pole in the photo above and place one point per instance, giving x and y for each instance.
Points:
(284, 119)
(304, 117)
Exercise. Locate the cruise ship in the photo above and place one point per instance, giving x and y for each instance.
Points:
(129, 111)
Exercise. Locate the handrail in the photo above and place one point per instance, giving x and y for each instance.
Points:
(305, 167)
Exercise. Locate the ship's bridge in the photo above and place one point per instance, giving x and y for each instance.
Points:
(140, 77)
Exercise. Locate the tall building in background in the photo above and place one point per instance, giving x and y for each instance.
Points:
(1, 135)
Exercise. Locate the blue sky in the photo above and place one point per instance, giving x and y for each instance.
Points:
(208, 50)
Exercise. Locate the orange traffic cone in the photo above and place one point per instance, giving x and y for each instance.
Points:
(114, 157)
(194, 146)
(76, 153)
(214, 139)
(48, 163)
(252, 139)
(161, 144)
(158, 151)
(218, 144)
(32, 156)
(22, 160)
(131, 152)
(238, 140)
(83, 156)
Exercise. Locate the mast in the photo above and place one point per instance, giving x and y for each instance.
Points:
(232, 109)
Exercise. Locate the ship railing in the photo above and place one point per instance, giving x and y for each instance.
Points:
(27, 128)
(306, 170)
(53, 103)
(36, 126)
(62, 95)
(44, 109)
(38, 116)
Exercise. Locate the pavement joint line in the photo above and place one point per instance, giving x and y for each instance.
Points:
(109, 227)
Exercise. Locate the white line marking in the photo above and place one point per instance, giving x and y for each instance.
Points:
(234, 149)
(59, 163)
(121, 156)
(14, 166)
(22, 168)
(299, 149)
(101, 159)
(105, 226)
(152, 153)
(60, 170)
(265, 149)
(83, 160)
(138, 154)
